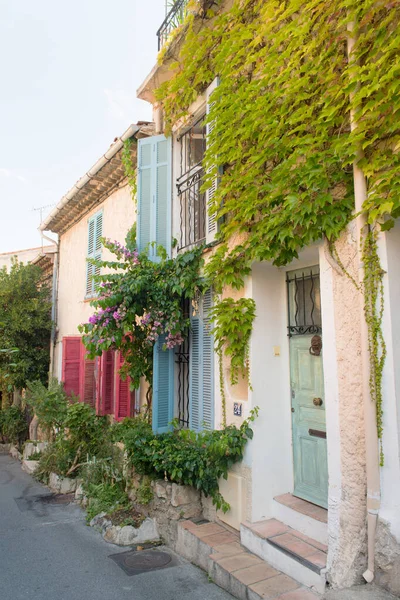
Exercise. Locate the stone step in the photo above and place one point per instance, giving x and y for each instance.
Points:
(287, 550)
(246, 576)
(303, 516)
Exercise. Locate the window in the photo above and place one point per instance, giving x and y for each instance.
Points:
(187, 374)
(78, 371)
(192, 201)
(95, 232)
(154, 194)
(196, 224)
(96, 381)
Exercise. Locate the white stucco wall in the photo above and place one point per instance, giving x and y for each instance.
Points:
(72, 308)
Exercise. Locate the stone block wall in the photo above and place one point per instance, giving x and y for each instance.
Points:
(170, 503)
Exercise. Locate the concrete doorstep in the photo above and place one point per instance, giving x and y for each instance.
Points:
(241, 573)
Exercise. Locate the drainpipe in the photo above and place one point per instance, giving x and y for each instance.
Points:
(371, 432)
(54, 294)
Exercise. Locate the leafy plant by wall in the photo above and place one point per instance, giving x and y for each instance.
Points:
(186, 457)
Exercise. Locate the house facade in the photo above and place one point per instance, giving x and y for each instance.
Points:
(99, 205)
(313, 463)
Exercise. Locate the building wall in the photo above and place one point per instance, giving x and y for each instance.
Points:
(24, 256)
(72, 307)
(388, 534)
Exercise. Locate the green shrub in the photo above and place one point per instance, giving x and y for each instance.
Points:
(13, 425)
(105, 497)
(85, 436)
(87, 432)
(50, 404)
(35, 456)
(186, 457)
(58, 458)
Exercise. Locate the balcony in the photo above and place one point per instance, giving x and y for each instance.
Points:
(176, 13)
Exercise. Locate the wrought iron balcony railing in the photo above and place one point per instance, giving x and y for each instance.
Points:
(175, 17)
(192, 207)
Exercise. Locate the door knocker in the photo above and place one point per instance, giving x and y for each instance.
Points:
(316, 345)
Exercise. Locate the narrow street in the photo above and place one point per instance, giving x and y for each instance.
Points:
(47, 552)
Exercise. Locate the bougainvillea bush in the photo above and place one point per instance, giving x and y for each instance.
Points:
(139, 301)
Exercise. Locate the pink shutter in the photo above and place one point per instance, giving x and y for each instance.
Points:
(124, 397)
(107, 387)
(87, 381)
(71, 365)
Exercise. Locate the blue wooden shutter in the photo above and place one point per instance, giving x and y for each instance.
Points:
(208, 363)
(144, 193)
(211, 222)
(162, 155)
(95, 232)
(154, 193)
(201, 368)
(163, 387)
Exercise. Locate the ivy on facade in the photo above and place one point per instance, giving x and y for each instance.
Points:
(282, 137)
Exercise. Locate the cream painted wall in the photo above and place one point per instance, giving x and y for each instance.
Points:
(72, 309)
(390, 473)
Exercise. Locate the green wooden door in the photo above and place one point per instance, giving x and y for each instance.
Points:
(309, 426)
(307, 386)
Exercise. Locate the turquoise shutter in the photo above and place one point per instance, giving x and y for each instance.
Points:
(154, 193)
(208, 363)
(201, 368)
(163, 232)
(163, 387)
(211, 223)
(144, 192)
(95, 233)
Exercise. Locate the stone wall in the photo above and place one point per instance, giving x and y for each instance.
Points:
(169, 504)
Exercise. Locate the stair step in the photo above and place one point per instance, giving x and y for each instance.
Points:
(288, 550)
(235, 569)
(303, 516)
(306, 553)
(304, 507)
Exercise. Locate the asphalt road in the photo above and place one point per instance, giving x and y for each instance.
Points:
(47, 552)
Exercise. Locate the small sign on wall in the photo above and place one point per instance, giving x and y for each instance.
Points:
(237, 409)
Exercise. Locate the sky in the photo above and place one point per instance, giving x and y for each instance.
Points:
(68, 78)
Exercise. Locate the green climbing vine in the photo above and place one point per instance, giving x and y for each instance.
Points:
(129, 165)
(373, 309)
(234, 323)
(282, 142)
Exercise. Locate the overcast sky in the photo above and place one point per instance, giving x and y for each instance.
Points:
(68, 76)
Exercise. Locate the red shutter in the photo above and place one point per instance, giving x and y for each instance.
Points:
(71, 365)
(107, 387)
(124, 397)
(98, 366)
(88, 381)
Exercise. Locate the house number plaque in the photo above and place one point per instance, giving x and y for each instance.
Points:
(237, 409)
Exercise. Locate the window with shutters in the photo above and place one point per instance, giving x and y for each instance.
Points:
(154, 194)
(78, 371)
(95, 233)
(197, 225)
(183, 377)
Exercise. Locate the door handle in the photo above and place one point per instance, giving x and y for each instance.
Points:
(317, 401)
